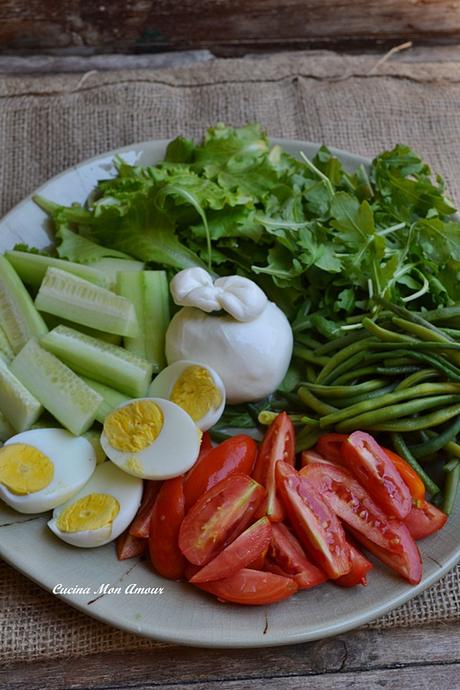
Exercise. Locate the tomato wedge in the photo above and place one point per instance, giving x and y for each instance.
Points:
(360, 566)
(314, 523)
(252, 587)
(236, 455)
(277, 444)
(410, 476)
(239, 554)
(387, 538)
(129, 546)
(424, 519)
(376, 472)
(329, 446)
(140, 526)
(167, 515)
(287, 552)
(218, 517)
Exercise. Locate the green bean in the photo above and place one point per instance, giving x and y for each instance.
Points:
(423, 422)
(353, 400)
(406, 314)
(450, 465)
(451, 489)
(417, 345)
(436, 362)
(377, 418)
(353, 375)
(384, 334)
(313, 402)
(453, 448)
(340, 343)
(335, 391)
(396, 371)
(417, 377)
(266, 417)
(444, 313)
(398, 362)
(437, 442)
(308, 356)
(453, 332)
(311, 373)
(348, 364)
(422, 390)
(342, 356)
(306, 340)
(306, 438)
(400, 447)
(428, 334)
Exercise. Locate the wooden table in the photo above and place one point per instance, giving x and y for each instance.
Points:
(398, 659)
(426, 657)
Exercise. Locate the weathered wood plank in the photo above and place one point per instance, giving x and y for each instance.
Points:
(369, 652)
(222, 25)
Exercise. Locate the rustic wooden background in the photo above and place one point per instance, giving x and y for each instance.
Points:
(227, 27)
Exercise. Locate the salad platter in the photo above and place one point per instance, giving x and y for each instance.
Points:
(325, 365)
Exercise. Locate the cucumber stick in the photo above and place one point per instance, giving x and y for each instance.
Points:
(18, 316)
(53, 321)
(31, 268)
(111, 398)
(57, 387)
(111, 266)
(109, 364)
(78, 300)
(6, 430)
(19, 407)
(6, 351)
(149, 292)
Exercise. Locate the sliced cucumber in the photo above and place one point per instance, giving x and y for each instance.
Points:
(149, 292)
(78, 300)
(111, 398)
(94, 437)
(109, 364)
(57, 387)
(20, 408)
(53, 321)
(6, 430)
(18, 316)
(31, 268)
(111, 267)
(6, 351)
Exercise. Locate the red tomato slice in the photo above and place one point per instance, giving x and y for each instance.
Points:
(218, 517)
(239, 554)
(410, 476)
(329, 446)
(390, 539)
(258, 563)
(167, 515)
(314, 523)
(140, 526)
(360, 566)
(287, 552)
(277, 444)
(236, 455)
(129, 546)
(252, 587)
(406, 561)
(310, 457)
(376, 472)
(424, 519)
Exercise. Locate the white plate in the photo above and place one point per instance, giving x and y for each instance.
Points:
(181, 613)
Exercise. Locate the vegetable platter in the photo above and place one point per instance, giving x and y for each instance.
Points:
(298, 295)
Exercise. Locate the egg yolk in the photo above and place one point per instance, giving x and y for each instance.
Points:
(24, 469)
(89, 513)
(196, 392)
(134, 426)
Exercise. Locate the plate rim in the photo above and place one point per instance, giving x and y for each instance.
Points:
(246, 639)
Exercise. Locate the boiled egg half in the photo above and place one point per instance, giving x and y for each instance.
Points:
(195, 387)
(151, 438)
(101, 511)
(42, 468)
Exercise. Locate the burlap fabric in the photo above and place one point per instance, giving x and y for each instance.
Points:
(47, 124)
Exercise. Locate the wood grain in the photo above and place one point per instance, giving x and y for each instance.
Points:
(221, 25)
(363, 658)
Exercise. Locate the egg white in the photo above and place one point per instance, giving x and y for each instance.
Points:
(163, 384)
(73, 460)
(173, 452)
(107, 479)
